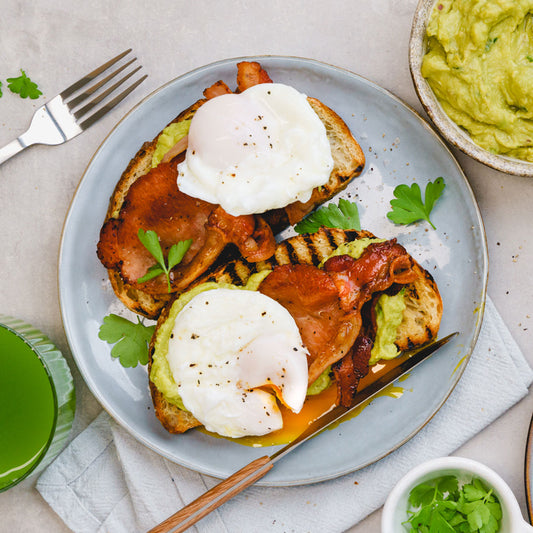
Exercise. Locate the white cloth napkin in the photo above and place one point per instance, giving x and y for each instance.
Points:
(107, 481)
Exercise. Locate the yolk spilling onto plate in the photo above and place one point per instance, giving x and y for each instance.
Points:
(315, 406)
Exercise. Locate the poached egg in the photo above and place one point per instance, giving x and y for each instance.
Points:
(231, 353)
(258, 150)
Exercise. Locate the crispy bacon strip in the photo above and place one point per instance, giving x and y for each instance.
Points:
(217, 89)
(351, 369)
(250, 73)
(311, 297)
(380, 265)
(326, 303)
(154, 202)
(250, 233)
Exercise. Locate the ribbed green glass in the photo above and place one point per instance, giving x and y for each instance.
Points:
(37, 401)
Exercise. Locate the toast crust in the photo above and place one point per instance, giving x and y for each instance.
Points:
(421, 317)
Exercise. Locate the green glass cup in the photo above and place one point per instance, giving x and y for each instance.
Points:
(37, 401)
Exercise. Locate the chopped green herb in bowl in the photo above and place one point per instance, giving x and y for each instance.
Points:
(447, 503)
(452, 494)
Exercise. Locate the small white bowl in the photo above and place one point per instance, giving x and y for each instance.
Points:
(395, 509)
(447, 128)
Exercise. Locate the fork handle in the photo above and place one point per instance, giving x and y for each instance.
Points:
(215, 497)
(11, 149)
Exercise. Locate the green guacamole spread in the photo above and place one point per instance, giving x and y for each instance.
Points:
(479, 64)
(389, 315)
(168, 138)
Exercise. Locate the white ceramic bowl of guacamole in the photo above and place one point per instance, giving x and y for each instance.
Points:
(474, 77)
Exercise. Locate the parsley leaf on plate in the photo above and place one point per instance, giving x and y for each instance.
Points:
(150, 241)
(130, 340)
(343, 216)
(408, 206)
(23, 86)
(0, 88)
(441, 506)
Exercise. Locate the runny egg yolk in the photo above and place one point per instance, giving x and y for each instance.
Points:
(315, 406)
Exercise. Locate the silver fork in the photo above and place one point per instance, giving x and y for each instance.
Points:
(62, 118)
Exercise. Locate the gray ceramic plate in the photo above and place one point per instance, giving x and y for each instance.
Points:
(449, 129)
(400, 147)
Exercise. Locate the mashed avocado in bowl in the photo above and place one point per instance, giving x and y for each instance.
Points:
(472, 65)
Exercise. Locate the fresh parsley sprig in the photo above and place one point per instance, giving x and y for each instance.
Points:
(150, 241)
(441, 506)
(408, 206)
(344, 216)
(130, 340)
(23, 86)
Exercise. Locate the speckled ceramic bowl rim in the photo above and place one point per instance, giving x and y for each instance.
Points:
(448, 129)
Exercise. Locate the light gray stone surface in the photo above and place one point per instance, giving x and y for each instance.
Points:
(56, 42)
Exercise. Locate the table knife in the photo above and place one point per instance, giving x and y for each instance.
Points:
(249, 474)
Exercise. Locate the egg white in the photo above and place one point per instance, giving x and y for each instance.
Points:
(225, 345)
(258, 150)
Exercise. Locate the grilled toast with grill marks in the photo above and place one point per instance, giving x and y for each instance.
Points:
(348, 159)
(421, 318)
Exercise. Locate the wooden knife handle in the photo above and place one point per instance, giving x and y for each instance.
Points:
(219, 494)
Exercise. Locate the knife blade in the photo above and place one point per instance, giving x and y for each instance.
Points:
(246, 476)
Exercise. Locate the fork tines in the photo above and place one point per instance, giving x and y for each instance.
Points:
(100, 90)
